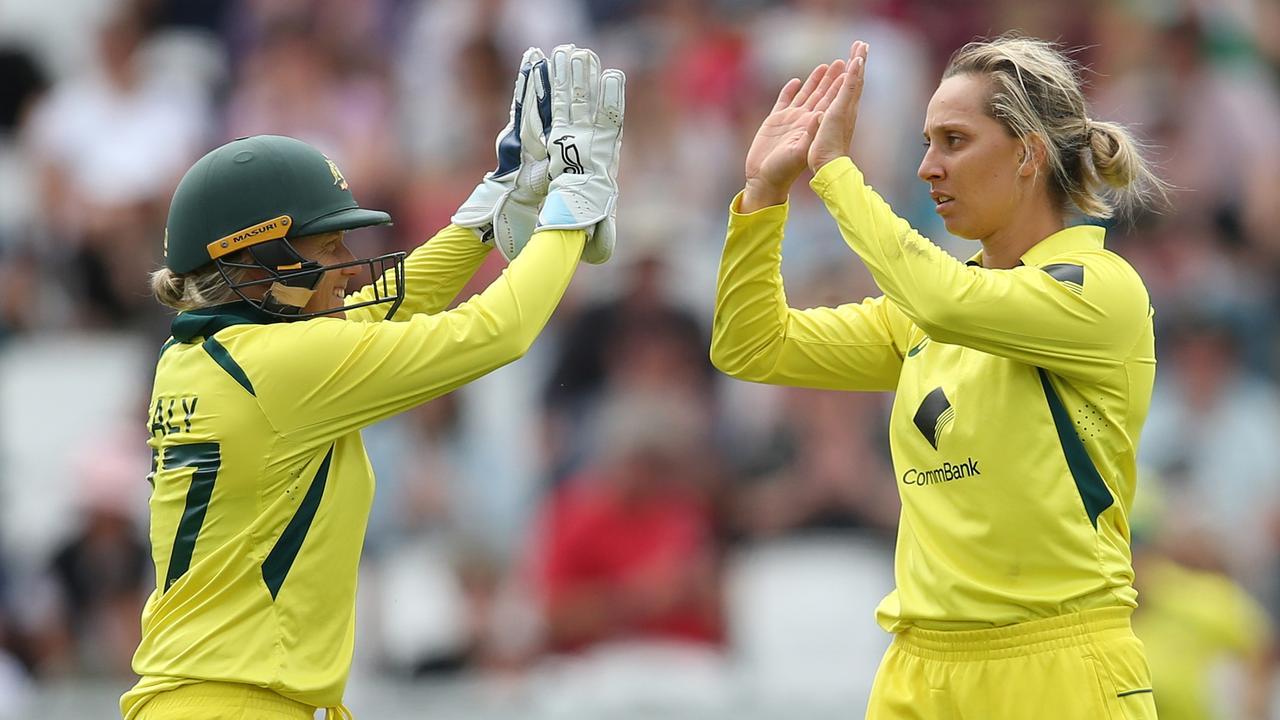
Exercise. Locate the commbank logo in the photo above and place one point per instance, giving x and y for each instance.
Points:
(934, 414)
(569, 155)
(946, 473)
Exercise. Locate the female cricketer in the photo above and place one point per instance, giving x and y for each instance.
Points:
(261, 484)
(1021, 377)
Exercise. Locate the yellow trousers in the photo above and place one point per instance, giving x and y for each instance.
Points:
(1084, 666)
(223, 701)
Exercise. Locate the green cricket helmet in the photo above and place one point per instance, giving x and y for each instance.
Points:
(254, 195)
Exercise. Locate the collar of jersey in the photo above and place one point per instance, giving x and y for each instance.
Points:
(205, 322)
(1076, 237)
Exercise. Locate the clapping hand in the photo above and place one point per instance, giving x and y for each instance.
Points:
(811, 124)
(779, 151)
(835, 131)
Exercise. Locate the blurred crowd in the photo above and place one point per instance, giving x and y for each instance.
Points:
(611, 489)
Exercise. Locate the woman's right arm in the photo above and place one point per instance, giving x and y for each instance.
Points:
(434, 273)
(756, 336)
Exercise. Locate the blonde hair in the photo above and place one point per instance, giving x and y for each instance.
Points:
(201, 288)
(1036, 91)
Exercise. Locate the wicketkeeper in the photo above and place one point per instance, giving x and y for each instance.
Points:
(261, 484)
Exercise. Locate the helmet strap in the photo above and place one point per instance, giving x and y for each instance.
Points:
(287, 295)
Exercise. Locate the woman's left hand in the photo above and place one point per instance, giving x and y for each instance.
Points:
(835, 131)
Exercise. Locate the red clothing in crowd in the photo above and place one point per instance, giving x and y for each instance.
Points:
(624, 567)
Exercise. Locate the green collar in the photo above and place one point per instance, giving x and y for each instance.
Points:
(205, 322)
(1076, 237)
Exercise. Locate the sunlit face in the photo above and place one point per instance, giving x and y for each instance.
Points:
(327, 249)
(973, 165)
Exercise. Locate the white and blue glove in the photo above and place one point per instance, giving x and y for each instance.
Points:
(503, 209)
(584, 145)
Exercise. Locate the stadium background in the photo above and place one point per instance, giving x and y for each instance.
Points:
(745, 583)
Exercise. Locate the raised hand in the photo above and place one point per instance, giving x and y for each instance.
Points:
(779, 151)
(835, 131)
(503, 208)
(585, 143)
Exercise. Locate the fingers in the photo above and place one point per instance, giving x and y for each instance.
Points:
(857, 50)
(829, 78)
(561, 96)
(832, 91)
(509, 139)
(541, 77)
(531, 57)
(535, 120)
(810, 84)
(788, 92)
(842, 95)
(613, 104)
(517, 90)
(585, 67)
(857, 70)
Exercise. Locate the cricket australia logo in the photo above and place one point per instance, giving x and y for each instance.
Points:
(934, 415)
(569, 155)
(338, 179)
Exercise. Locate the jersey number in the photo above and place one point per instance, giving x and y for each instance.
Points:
(205, 458)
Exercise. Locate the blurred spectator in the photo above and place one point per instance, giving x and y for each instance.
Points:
(25, 82)
(626, 549)
(1192, 617)
(20, 291)
(109, 145)
(636, 341)
(16, 688)
(1211, 433)
(814, 460)
(100, 576)
(795, 36)
(1213, 120)
(448, 79)
(357, 34)
(294, 82)
(450, 624)
(416, 458)
(822, 469)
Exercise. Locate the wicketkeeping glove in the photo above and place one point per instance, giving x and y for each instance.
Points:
(503, 209)
(584, 146)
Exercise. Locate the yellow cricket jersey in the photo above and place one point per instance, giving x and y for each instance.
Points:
(261, 483)
(1020, 395)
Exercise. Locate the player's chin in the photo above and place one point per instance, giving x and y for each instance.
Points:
(959, 228)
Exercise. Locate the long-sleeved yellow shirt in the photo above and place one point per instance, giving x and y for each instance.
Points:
(261, 484)
(1019, 398)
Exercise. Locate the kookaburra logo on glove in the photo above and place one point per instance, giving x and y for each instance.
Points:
(569, 155)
